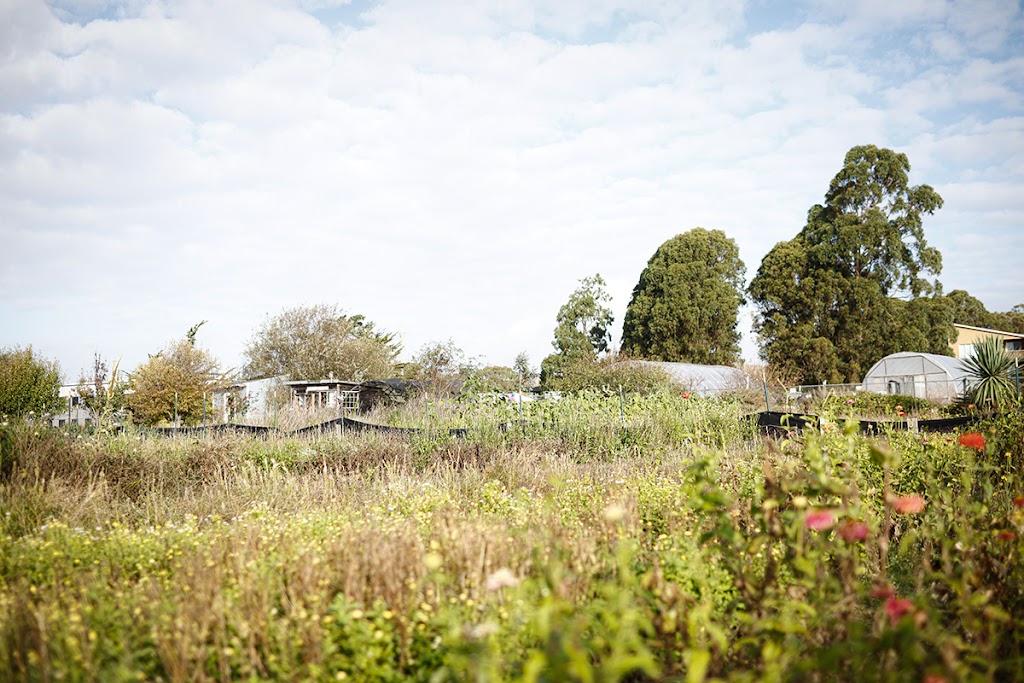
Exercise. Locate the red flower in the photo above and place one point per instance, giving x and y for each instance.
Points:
(935, 678)
(686, 394)
(1006, 535)
(819, 520)
(897, 608)
(852, 531)
(908, 505)
(972, 440)
(1018, 502)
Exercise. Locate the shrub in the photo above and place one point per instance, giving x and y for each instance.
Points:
(28, 383)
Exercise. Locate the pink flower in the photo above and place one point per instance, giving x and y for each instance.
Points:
(686, 394)
(935, 678)
(973, 440)
(819, 520)
(897, 608)
(502, 578)
(853, 531)
(908, 505)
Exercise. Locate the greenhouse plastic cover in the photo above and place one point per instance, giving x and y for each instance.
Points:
(704, 380)
(925, 375)
(909, 363)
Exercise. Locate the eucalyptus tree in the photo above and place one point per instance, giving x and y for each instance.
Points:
(583, 328)
(827, 299)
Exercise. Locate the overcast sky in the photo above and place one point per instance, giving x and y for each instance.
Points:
(451, 169)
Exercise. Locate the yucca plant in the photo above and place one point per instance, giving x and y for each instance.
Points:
(988, 371)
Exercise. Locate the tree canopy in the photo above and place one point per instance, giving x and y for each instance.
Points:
(317, 342)
(583, 327)
(180, 379)
(442, 367)
(686, 305)
(826, 300)
(28, 383)
(968, 310)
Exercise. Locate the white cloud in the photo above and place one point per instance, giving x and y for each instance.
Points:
(452, 170)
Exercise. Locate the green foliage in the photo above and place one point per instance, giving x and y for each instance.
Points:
(497, 378)
(826, 299)
(28, 383)
(583, 330)
(988, 370)
(178, 380)
(610, 373)
(865, 404)
(970, 311)
(526, 373)
(685, 306)
(318, 342)
(442, 367)
(719, 557)
(103, 395)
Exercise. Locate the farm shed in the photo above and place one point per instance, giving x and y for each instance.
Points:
(922, 375)
(703, 380)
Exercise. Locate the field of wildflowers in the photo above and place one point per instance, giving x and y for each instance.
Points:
(601, 538)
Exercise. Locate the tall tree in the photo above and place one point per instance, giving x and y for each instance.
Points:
(583, 329)
(826, 299)
(28, 383)
(317, 342)
(686, 305)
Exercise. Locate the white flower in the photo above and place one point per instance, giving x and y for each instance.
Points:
(502, 578)
(614, 513)
(483, 630)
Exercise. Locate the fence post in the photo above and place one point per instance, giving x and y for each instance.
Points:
(764, 385)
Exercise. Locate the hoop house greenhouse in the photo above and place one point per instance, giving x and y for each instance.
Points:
(703, 380)
(922, 375)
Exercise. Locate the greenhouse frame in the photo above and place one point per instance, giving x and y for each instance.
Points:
(922, 375)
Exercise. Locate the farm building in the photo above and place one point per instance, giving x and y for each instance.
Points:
(251, 399)
(922, 375)
(346, 396)
(703, 380)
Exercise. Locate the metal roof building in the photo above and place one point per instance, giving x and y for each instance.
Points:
(922, 375)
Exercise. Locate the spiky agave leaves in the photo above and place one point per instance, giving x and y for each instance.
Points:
(988, 371)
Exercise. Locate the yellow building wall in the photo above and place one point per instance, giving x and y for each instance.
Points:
(966, 336)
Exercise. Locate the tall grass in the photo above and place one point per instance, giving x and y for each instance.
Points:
(664, 543)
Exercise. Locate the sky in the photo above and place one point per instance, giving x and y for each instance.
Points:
(451, 170)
